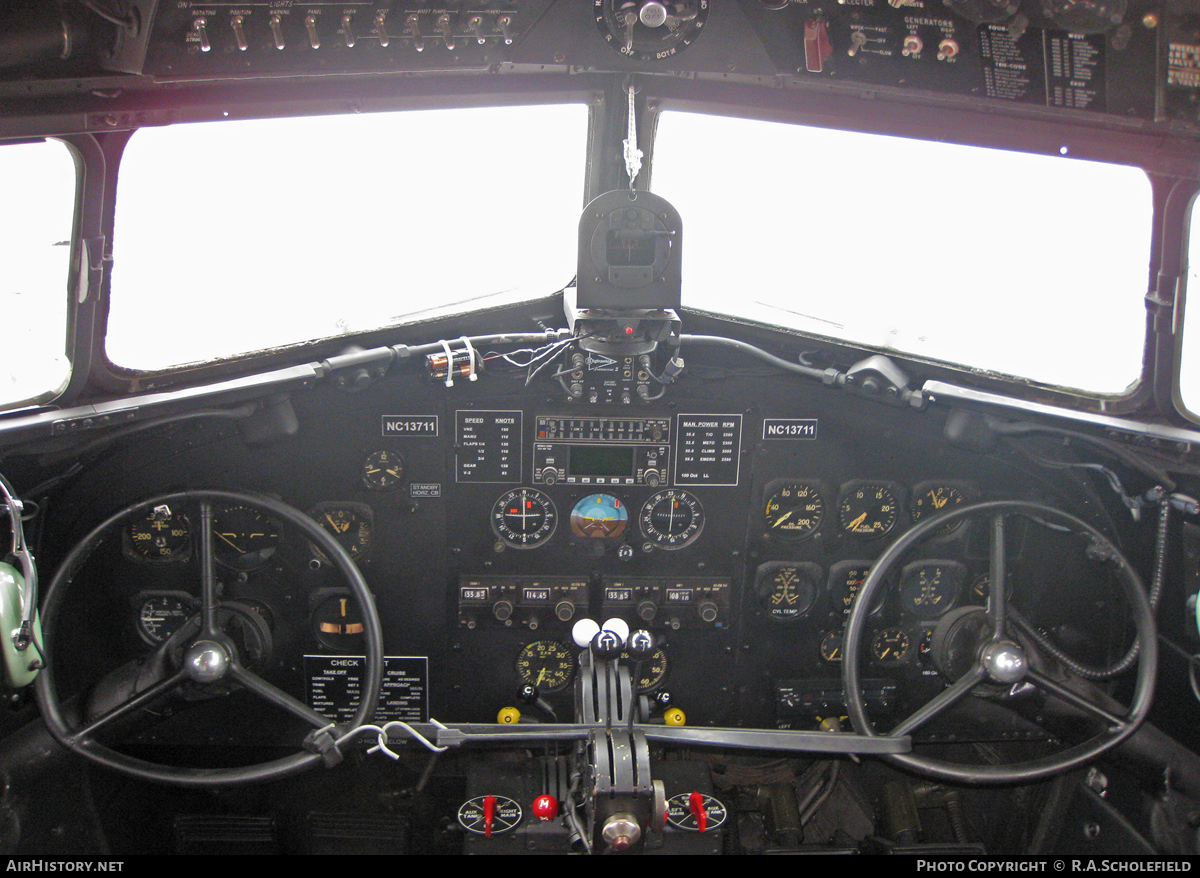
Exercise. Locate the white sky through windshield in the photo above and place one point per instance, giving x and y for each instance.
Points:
(1033, 266)
(286, 230)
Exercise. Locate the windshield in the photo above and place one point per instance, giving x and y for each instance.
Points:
(289, 230)
(38, 181)
(1026, 265)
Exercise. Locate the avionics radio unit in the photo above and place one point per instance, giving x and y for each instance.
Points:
(602, 451)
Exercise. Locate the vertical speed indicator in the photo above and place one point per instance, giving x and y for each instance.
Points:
(524, 518)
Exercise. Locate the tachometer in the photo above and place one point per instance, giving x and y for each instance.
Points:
(547, 665)
(891, 646)
(672, 519)
(524, 518)
(599, 517)
(794, 509)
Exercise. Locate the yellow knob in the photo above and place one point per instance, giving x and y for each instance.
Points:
(674, 717)
(508, 716)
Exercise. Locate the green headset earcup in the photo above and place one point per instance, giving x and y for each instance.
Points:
(17, 672)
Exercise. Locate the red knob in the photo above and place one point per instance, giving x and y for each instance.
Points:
(696, 806)
(545, 807)
(489, 815)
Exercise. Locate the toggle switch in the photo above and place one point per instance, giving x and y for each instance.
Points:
(277, 32)
(237, 22)
(310, 24)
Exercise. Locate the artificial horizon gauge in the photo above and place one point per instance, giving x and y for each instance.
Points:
(794, 509)
(650, 30)
(930, 498)
(383, 470)
(162, 535)
(547, 665)
(337, 623)
(672, 519)
(891, 646)
(489, 815)
(786, 590)
(695, 812)
(867, 509)
(930, 588)
(524, 518)
(349, 523)
(244, 537)
(161, 614)
(599, 517)
(652, 671)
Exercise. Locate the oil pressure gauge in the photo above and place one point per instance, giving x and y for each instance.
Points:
(794, 509)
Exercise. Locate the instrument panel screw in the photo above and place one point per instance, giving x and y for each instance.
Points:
(1150, 20)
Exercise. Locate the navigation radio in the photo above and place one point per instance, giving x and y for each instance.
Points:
(602, 451)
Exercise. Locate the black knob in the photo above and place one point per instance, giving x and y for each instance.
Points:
(549, 476)
(528, 694)
(641, 645)
(606, 645)
(708, 611)
(502, 610)
(647, 610)
(652, 479)
(662, 698)
(565, 611)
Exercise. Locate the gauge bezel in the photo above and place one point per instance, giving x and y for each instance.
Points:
(614, 536)
(536, 538)
(952, 588)
(385, 481)
(564, 658)
(954, 528)
(849, 489)
(141, 598)
(774, 487)
(357, 550)
(672, 542)
(250, 559)
(131, 551)
(807, 574)
(604, 13)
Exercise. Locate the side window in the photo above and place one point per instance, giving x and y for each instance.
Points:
(1189, 361)
(38, 182)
